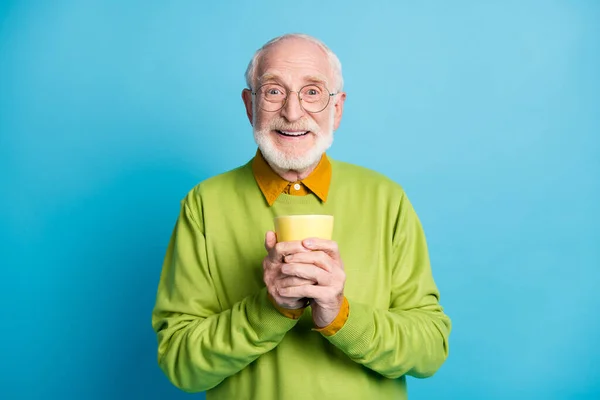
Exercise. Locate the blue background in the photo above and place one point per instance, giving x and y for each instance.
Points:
(486, 112)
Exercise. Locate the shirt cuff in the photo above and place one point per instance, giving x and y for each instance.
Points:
(290, 313)
(338, 322)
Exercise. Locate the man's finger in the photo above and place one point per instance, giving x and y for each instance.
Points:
(316, 257)
(286, 248)
(307, 271)
(327, 246)
(308, 291)
(294, 281)
(270, 240)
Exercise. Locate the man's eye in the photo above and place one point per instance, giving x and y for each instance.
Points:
(274, 91)
(312, 91)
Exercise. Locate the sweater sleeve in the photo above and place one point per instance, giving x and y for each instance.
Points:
(411, 337)
(199, 343)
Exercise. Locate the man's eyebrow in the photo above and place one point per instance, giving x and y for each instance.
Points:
(268, 77)
(316, 79)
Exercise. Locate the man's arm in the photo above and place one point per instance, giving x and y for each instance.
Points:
(199, 343)
(412, 336)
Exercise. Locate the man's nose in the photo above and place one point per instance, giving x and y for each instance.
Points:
(292, 109)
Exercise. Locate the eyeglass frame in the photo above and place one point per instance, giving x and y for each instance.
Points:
(287, 95)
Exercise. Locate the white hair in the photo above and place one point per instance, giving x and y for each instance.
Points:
(334, 61)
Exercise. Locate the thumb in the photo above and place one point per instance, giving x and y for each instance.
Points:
(270, 240)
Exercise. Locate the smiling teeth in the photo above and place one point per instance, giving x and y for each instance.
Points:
(293, 133)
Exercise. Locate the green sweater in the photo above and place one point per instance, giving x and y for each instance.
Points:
(217, 330)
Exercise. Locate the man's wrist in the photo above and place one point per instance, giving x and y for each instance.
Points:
(338, 322)
(292, 313)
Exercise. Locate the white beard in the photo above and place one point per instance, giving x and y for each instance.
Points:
(281, 160)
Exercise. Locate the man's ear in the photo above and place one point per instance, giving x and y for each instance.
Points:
(247, 97)
(339, 109)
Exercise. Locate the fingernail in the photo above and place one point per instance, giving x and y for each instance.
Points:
(308, 243)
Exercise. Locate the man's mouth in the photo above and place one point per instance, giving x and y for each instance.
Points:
(292, 133)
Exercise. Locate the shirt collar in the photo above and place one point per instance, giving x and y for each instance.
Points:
(272, 185)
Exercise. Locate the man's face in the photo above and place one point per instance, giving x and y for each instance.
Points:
(292, 138)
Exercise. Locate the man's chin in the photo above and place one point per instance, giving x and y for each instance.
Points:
(287, 161)
(289, 157)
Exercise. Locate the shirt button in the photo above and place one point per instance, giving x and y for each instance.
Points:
(297, 186)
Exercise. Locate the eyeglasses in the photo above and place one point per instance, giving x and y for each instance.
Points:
(314, 98)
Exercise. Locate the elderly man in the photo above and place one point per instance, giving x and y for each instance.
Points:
(244, 317)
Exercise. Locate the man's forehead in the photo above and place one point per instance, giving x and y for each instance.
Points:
(298, 57)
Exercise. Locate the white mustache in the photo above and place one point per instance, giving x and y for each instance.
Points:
(280, 124)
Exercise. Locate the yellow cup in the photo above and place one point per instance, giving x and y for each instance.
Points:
(299, 227)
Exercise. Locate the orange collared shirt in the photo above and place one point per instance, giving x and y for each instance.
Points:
(271, 186)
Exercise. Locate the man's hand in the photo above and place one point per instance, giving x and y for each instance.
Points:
(273, 276)
(323, 265)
